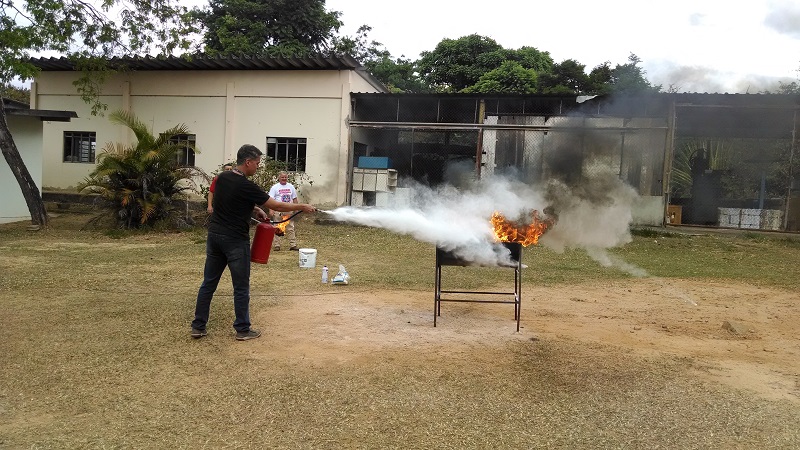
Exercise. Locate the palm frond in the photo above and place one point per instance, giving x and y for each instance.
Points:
(144, 136)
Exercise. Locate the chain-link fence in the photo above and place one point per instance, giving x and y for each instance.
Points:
(734, 166)
(729, 159)
(573, 149)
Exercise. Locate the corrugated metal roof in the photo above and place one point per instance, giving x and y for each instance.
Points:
(318, 62)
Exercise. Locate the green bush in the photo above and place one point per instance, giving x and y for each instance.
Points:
(267, 175)
(142, 180)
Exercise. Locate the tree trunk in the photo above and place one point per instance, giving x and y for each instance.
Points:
(30, 192)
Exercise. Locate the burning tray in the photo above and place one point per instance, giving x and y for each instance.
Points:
(447, 258)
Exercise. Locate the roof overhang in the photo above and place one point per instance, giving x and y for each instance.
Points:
(15, 108)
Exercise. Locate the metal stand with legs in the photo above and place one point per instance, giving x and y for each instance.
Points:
(445, 258)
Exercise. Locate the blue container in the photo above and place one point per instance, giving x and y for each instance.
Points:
(373, 162)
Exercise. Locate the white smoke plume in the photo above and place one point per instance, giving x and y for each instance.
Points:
(594, 216)
(455, 220)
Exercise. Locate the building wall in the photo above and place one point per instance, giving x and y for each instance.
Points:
(225, 109)
(27, 132)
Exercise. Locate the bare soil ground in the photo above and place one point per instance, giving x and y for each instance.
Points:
(742, 336)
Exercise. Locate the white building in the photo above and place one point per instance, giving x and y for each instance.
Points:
(293, 109)
(25, 125)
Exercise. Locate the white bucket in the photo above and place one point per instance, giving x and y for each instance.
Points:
(308, 258)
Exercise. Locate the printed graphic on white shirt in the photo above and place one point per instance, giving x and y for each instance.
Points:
(285, 195)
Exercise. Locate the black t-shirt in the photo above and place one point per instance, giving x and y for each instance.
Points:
(234, 199)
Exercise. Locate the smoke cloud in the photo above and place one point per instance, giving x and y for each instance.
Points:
(594, 215)
(455, 220)
(680, 78)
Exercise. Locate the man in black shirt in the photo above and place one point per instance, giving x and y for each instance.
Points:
(228, 242)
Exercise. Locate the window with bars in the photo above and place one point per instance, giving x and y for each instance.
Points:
(186, 144)
(291, 151)
(80, 146)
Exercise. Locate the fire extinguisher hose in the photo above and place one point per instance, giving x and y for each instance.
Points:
(279, 221)
(288, 218)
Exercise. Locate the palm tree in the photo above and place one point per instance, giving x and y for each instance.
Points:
(141, 180)
(681, 179)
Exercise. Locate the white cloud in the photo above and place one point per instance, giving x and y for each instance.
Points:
(784, 18)
(711, 45)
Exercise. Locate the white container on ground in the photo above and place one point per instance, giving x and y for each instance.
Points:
(308, 258)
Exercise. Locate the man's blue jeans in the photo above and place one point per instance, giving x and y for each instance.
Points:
(225, 251)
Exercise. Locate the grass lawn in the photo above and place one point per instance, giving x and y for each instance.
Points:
(97, 354)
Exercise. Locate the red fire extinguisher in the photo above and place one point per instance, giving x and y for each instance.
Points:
(262, 243)
(262, 240)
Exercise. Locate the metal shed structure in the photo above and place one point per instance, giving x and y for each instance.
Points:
(705, 159)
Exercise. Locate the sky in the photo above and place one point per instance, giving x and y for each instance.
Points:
(694, 46)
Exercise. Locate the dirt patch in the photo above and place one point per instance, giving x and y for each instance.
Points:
(681, 318)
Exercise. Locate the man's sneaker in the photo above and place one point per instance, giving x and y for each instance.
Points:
(197, 334)
(276, 249)
(247, 335)
(293, 248)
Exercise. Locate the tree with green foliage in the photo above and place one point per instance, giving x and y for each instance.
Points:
(456, 64)
(788, 88)
(531, 58)
(566, 78)
(600, 79)
(87, 35)
(398, 74)
(267, 174)
(274, 28)
(141, 180)
(283, 28)
(10, 92)
(509, 78)
(630, 78)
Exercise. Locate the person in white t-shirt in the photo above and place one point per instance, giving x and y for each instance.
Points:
(283, 191)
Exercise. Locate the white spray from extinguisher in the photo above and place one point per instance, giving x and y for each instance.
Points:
(324, 274)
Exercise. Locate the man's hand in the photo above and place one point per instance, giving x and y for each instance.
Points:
(260, 214)
(308, 208)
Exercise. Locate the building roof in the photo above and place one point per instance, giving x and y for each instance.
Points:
(15, 108)
(317, 62)
(697, 114)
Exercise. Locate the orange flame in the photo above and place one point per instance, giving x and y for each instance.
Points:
(508, 231)
(280, 228)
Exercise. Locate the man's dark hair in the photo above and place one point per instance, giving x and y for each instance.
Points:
(246, 152)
